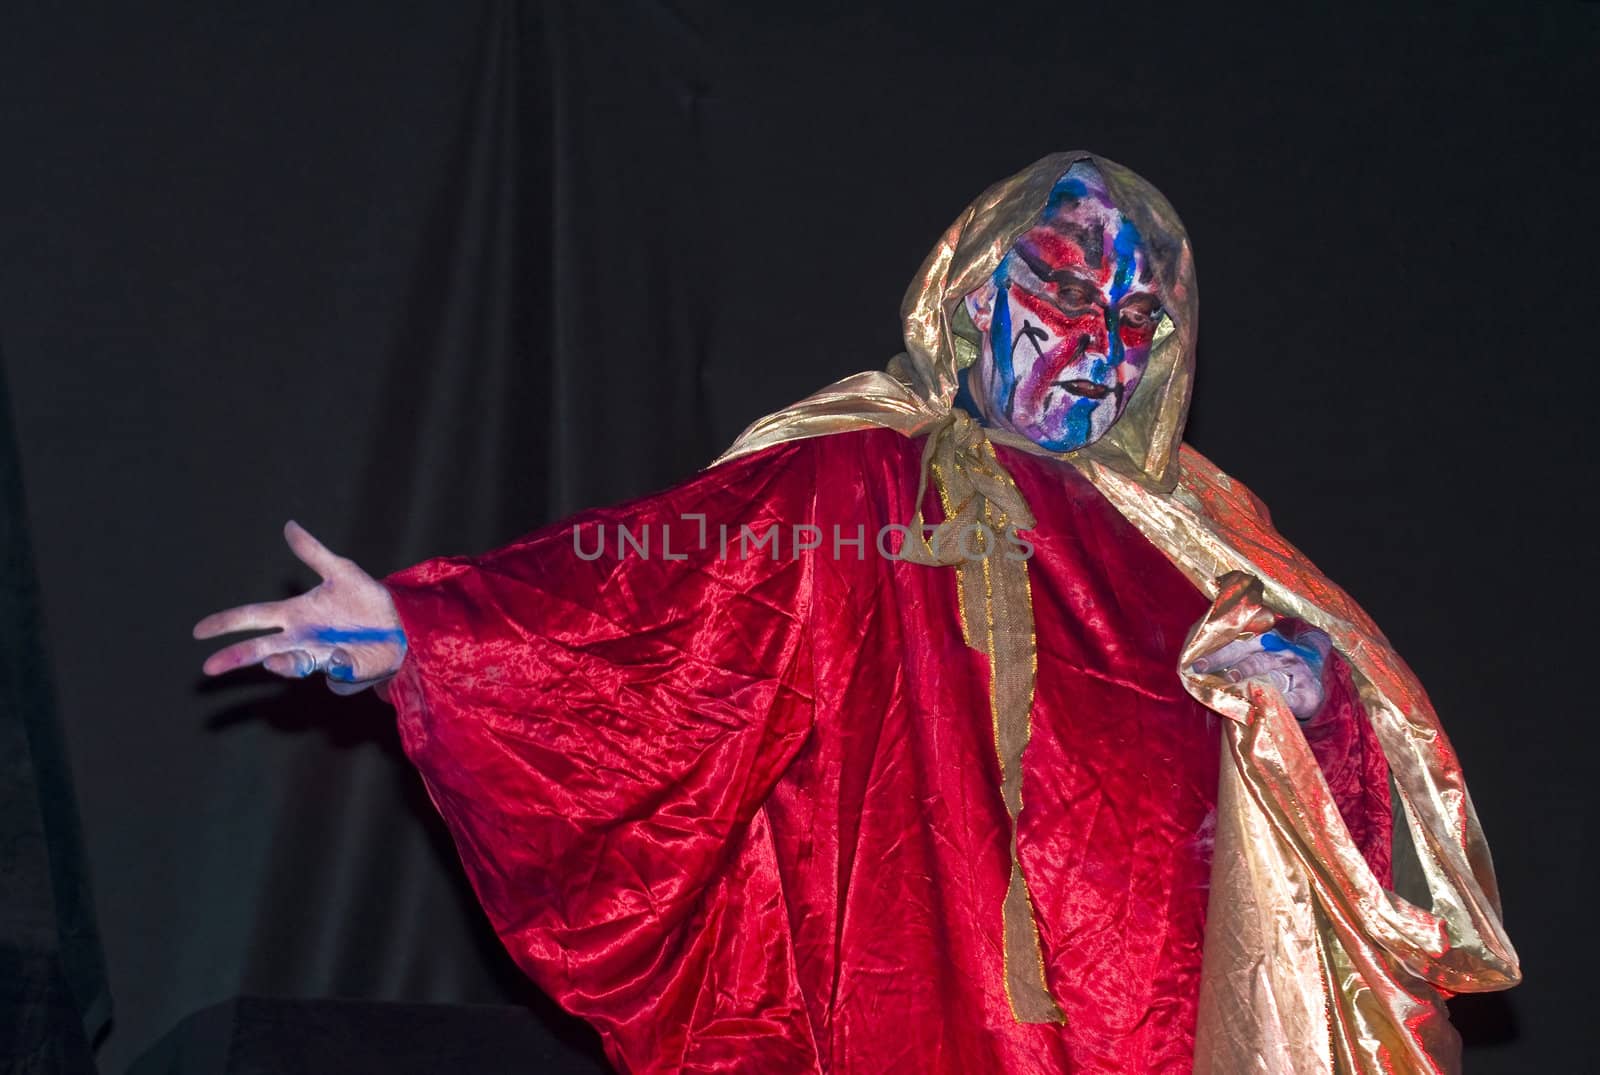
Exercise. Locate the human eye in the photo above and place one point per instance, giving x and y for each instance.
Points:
(1075, 295)
(1141, 312)
(1137, 318)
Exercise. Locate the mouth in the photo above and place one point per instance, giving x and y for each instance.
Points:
(1086, 389)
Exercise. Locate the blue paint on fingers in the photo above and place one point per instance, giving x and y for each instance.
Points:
(1273, 642)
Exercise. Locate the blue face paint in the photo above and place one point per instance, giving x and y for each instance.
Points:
(1075, 428)
(1069, 188)
(1126, 245)
(1000, 334)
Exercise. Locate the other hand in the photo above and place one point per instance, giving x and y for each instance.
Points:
(1293, 666)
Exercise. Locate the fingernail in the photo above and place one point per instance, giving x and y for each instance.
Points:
(339, 667)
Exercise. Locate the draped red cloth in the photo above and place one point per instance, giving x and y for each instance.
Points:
(742, 813)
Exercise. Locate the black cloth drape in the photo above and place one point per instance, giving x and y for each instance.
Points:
(267, 1036)
(424, 278)
(54, 997)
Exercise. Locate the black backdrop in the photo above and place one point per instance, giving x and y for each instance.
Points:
(427, 276)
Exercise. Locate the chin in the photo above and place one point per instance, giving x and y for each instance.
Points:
(1063, 440)
(1069, 432)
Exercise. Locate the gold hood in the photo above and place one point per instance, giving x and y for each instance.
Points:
(1311, 965)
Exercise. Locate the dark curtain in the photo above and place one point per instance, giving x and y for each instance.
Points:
(54, 998)
(424, 277)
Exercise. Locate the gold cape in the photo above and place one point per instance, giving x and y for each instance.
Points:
(1310, 965)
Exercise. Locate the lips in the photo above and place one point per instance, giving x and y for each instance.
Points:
(1086, 389)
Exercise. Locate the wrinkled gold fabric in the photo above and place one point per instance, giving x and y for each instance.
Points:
(981, 506)
(1310, 965)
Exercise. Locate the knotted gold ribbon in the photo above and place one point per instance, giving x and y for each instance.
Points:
(983, 511)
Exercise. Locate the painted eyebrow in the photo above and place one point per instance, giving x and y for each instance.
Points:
(1055, 276)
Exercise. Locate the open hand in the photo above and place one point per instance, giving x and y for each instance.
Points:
(346, 626)
(1292, 666)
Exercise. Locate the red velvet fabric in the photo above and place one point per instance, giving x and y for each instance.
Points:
(1347, 750)
(743, 814)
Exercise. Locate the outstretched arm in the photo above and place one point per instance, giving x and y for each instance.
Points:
(346, 626)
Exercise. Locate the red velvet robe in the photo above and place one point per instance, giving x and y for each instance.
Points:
(743, 814)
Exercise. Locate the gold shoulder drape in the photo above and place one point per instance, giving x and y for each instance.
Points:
(1310, 964)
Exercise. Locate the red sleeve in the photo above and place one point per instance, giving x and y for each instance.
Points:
(598, 733)
(1352, 761)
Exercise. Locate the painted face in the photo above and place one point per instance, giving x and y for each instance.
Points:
(1067, 320)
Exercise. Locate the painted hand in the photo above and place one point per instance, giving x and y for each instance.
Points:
(1292, 666)
(346, 627)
